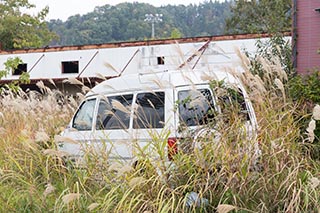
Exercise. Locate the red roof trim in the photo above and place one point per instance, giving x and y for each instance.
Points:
(140, 43)
(59, 80)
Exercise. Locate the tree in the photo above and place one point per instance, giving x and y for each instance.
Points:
(175, 33)
(9, 66)
(125, 22)
(22, 30)
(254, 16)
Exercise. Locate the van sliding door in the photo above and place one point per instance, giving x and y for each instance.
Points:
(112, 127)
(148, 120)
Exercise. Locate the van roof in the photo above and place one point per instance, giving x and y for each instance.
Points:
(160, 80)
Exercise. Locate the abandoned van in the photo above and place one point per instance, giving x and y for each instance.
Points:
(123, 114)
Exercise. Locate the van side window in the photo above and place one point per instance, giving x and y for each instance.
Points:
(234, 101)
(83, 119)
(114, 112)
(150, 111)
(196, 107)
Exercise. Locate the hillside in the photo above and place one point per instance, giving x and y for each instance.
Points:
(126, 22)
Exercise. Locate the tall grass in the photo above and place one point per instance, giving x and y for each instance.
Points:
(33, 177)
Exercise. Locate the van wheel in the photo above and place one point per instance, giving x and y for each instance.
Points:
(204, 140)
(203, 136)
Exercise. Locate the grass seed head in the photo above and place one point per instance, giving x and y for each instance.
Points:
(137, 181)
(316, 112)
(49, 189)
(68, 198)
(41, 136)
(314, 182)
(310, 130)
(92, 206)
(225, 208)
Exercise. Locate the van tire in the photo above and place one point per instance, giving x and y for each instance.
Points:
(202, 134)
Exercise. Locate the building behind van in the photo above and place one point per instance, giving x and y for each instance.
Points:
(94, 63)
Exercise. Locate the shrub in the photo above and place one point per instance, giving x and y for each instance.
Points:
(305, 90)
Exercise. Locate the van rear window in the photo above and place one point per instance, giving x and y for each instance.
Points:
(114, 112)
(196, 107)
(150, 111)
(83, 119)
(234, 102)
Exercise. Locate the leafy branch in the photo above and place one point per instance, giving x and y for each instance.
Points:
(9, 67)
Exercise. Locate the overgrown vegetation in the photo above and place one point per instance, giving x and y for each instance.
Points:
(218, 177)
(9, 67)
(304, 90)
(256, 16)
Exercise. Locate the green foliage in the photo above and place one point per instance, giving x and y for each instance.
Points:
(302, 90)
(106, 24)
(176, 33)
(256, 16)
(21, 30)
(279, 47)
(10, 65)
(277, 51)
(305, 90)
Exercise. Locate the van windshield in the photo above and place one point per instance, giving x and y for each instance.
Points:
(83, 119)
(196, 107)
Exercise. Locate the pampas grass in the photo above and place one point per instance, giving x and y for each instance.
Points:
(34, 177)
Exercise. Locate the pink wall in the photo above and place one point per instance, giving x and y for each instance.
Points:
(308, 35)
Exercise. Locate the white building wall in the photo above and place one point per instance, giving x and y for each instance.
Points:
(110, 61)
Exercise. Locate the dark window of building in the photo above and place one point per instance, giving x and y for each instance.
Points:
(20, 69)
(150, 111)
(70, 67)
(160, 60)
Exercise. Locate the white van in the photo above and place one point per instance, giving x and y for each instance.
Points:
(123, 113)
